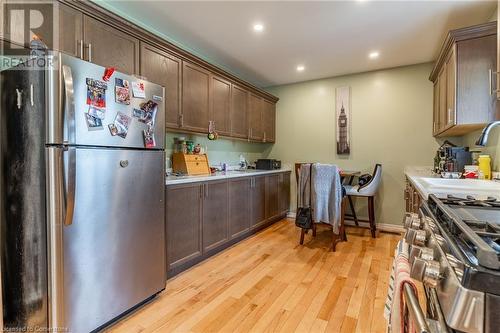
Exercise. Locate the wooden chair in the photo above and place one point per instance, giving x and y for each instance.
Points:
(368, 191)
(335, 238)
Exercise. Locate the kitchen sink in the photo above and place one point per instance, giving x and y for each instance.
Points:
(475, 187)
(460, 183)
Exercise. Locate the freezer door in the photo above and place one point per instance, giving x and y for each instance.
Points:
(109, 249)
(69, 86)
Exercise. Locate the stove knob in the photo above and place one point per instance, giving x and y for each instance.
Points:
(420, 238)
(411, 221)
(432, 273)
(427, 254)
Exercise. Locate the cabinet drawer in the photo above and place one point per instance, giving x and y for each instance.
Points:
(197, 167)
(195, 158)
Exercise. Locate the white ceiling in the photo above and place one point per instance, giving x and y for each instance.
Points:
(329, 38)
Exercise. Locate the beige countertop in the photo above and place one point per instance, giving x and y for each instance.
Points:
(174, 180)
(426, 182)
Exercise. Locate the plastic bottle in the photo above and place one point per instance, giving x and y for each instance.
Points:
(485, 166)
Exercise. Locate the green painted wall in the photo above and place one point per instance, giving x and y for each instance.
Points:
(391, 125)
(221, 150)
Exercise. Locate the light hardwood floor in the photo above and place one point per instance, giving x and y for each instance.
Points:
(270, 283)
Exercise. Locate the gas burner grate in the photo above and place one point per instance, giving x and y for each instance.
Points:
(471, 201)
(480, 236)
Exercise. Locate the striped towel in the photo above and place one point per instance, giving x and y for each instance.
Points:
(394, 310)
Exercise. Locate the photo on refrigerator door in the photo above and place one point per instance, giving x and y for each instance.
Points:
(343, 120)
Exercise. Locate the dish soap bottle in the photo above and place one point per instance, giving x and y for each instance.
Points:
(485, 166)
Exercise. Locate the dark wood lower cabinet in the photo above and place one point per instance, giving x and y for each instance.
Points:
(206, 217)
(239, 206)
(183, 215)
(215, 214)
(258, 201)
(284, 192)
(272, 195)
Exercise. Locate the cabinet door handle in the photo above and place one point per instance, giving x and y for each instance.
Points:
(181, 117)
(80, 43)
(90, 52)
(490, 81)
(206, 190)
(201, 190)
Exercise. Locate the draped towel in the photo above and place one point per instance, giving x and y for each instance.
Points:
(326, 194)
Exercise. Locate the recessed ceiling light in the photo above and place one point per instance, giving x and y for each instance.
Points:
(374, 55)
(300, 68)
(259, 27)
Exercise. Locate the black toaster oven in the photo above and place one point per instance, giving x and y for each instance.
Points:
(267, 164)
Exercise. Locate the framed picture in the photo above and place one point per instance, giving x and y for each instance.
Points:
(343, 120)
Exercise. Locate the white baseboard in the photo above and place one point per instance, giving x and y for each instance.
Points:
(395, 228)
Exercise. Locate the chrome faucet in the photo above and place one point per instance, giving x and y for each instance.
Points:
(483, 138)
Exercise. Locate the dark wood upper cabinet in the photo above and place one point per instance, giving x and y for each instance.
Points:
(258, 201)
(164, 69)
(215, 214)
(70, 31)
(239, 112)
(464, 97)
(183, 219)
(196, 91)
(195, 98)
(239, 206)
(220, 104)
(255, 105)
(110, 47)
(269, 120)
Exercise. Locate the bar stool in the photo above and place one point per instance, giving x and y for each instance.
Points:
(368, 190)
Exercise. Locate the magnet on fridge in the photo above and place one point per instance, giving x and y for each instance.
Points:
(138, 113)
(108, 72)
(122, 91)
(120, 125)
(149, 137)
(96, 112)
(149, 108)
(96, 93)
(93, 123)
(157, 98)
(138, 89)
(112, 129)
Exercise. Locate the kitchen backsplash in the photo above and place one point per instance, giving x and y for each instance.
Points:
(221, 150)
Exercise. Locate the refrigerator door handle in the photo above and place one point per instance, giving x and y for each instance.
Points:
(69, 103)
(70, 187)
(55, 215)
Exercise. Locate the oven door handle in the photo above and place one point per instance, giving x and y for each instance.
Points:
(416, 313)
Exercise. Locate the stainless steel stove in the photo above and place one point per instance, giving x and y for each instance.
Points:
(455, 251)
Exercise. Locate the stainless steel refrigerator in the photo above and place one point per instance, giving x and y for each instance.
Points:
(82, 215)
